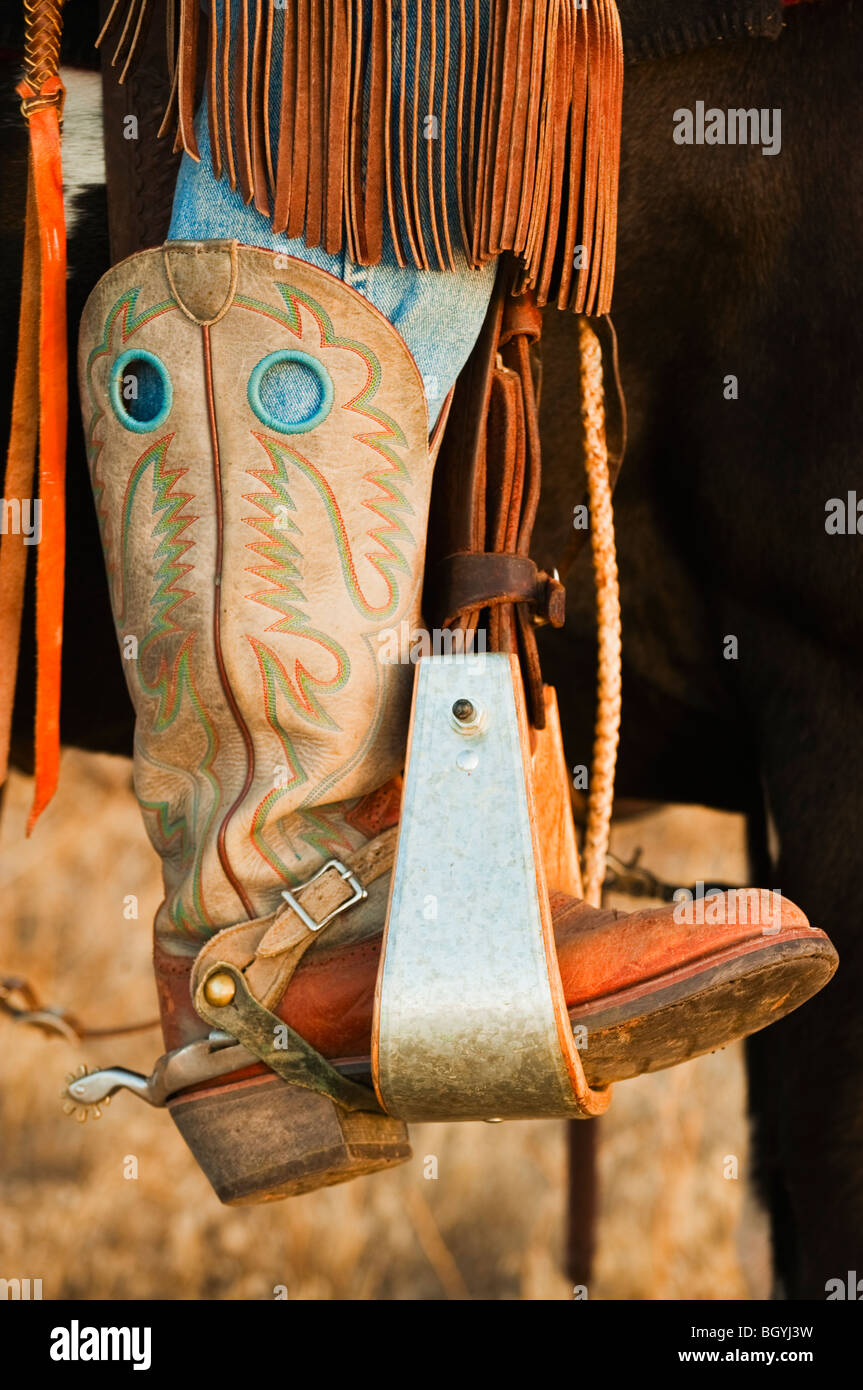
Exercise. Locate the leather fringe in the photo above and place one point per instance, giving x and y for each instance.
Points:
(386, 105)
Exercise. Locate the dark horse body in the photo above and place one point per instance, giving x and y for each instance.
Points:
(730, 263)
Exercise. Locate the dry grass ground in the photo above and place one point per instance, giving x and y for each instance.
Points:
(490, 1225)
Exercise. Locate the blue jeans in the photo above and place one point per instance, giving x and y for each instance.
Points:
(439, 313)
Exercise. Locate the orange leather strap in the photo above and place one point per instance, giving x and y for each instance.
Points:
(18, 481)
(45, 266)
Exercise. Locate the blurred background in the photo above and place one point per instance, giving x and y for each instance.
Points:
(675, 1222)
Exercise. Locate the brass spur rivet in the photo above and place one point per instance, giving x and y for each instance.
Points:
(220, 989)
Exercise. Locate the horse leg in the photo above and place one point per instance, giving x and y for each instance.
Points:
(806, 1072)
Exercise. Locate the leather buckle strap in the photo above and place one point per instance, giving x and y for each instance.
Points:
(470, 580)
(269, 949)
(358, 893)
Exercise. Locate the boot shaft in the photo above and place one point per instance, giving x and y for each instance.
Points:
(257, 436)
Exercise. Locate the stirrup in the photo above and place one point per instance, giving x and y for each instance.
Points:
(470, 1019)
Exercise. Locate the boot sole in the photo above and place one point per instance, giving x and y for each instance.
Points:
(698, 1009)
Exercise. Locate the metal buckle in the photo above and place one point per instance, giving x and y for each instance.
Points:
(359, 893)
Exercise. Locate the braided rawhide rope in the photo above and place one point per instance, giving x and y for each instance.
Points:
(43, 27)
(607, 730)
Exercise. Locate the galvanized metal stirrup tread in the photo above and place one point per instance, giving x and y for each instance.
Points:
(470, 1016)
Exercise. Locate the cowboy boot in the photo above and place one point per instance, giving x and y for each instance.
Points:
(257, 436)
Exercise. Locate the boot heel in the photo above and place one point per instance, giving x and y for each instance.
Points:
(260, 1139)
